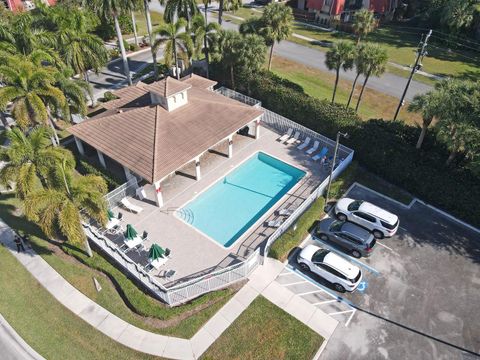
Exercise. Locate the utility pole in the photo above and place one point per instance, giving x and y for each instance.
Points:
(422, 51)
(327, 207)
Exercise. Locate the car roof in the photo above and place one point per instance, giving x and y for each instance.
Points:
(380, 213)
(357, 231)
(308, 251)
(340, 264)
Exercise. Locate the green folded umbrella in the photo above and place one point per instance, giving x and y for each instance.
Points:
(155, 252)
(131, 233)
(110, 214)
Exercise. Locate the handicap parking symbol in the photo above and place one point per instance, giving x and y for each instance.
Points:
(362, 286)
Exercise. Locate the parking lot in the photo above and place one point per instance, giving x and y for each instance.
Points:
(420, 298)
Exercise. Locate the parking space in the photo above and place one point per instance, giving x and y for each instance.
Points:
(420, 298)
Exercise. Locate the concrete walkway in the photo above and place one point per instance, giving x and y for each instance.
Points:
(12, 346)
(261, 282)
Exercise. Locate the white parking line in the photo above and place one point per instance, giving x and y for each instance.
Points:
(350, 318)
(325, 302)
(309, 292)
(385, 246)
(285, 273)
(340, 312)
(296, 282)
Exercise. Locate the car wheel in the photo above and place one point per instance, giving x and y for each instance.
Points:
(304, 267)
(339, 288)
(378, 234)
(341, 217)
(323, 237)
(356, 254)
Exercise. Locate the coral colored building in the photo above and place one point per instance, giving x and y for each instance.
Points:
(342, 10)
(19, 5)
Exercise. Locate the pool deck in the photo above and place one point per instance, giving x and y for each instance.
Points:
(192, 253)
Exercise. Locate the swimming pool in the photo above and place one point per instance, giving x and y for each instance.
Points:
(233, 204)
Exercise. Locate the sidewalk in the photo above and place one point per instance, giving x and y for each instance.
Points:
(261, 282)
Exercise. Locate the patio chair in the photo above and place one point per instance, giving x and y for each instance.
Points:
(286, 135)
(293, 139)
(169, 274)
(321, 154)
(144, 235)
(314, 148)
(120, 216)
(275, 223)
(286, 212)
(131, 207)
(305, 144)
(167, 253)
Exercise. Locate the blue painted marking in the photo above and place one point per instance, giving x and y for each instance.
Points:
(327, 290)
(362, 286)
(351, 258)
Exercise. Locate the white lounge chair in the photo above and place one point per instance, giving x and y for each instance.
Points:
(321, 154)
(314, 148)
(304, 144)
(275, 223)
(285, 212)
(131, 207)
(286, 135)
(293, 139)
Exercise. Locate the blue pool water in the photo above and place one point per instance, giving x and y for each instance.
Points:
(233, 204)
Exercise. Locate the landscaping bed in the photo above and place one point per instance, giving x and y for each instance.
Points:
(264, 331)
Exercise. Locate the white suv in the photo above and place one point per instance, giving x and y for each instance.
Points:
(343, 275)
(380, 222)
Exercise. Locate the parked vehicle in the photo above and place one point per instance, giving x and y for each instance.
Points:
(352, 238)
(343, 275)
(379, 221)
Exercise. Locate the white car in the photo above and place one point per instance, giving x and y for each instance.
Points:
(379, 221)
(343, 275)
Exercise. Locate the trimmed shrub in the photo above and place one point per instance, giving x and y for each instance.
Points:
(86, 168)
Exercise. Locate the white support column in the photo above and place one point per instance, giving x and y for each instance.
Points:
(257, 128)
(101, 159)
(80, 148)
(198, 174)
(128, 174)
(230, 146)
(158, 193)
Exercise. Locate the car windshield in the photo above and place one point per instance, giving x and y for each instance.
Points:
(336, 226)
(354, 205)
(319, 255)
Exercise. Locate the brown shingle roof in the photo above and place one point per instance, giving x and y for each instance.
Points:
(167, 86)
(199, 81)
(153, 142)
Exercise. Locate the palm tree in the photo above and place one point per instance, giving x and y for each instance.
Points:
(115, 8)
(277, 20)
(376, 59)
(360, 67)
(252, 25)
(205, 35)
(341, 55)
(427, 104)
(32, 91)
(220, 11)
(363, 24)
(177, 43)
(75, 91)
(62, 207)
(176, 9)
(30, 160)
(229, 48)
(146, 8)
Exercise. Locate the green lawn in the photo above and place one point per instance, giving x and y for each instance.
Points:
(52, 330)
(401, 44)
(354, 173)
(264, 331)
(142, 311)
(319, 84)
(245, 12)
(157, 19)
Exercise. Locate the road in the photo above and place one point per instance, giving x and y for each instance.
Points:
(12, 347)
(112, 76)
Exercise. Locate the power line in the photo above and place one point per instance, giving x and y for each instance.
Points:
(457, 53)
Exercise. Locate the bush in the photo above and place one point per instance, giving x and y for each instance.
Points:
(133, 47)
(109, 96)
(86, 168)
(385, 148)
(114, 53)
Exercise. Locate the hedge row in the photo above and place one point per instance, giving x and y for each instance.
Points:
(86, 168)
(386, 148)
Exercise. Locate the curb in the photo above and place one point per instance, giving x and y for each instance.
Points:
(24, 347)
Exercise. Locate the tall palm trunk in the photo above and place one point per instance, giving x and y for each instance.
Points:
(88, 249)
(205, 42)
(455, 147)
(220, 11)
(177, 70)
(425, 124)
(353, 89)
(56, 141)
(337, 75)
(126, 69)
(232, 78)
(150, 36)
(270, 58)
(87, 79)
(134, 24)
(361, 92)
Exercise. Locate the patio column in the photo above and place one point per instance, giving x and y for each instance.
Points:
(101, 159)
(257, 128)
(198, 174)
(230, 146)
(158, 193)
(128, 174)
(79, 144)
